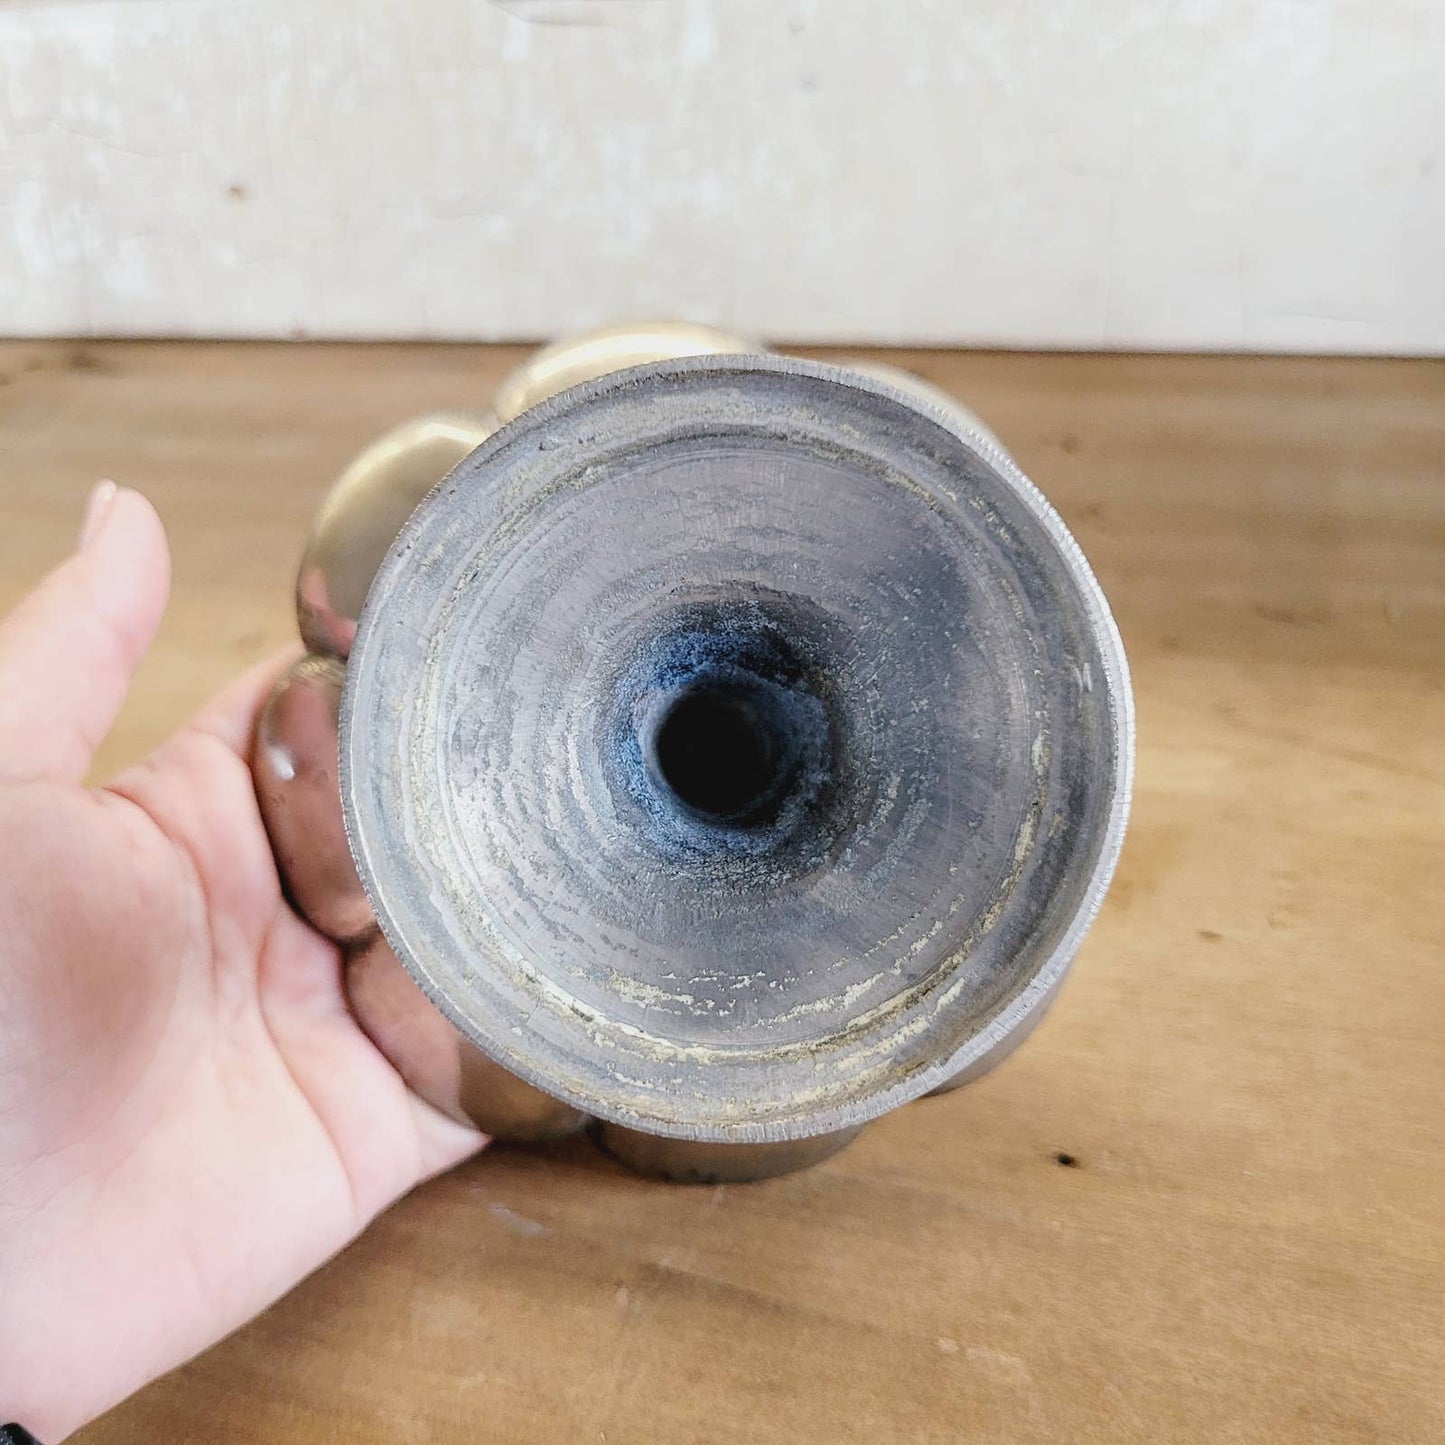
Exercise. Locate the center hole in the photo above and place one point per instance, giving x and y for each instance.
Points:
(719, 753)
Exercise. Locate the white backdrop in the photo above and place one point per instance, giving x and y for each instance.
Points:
(1255, 174)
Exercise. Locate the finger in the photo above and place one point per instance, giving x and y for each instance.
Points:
(231, 715)
(69, 650)
(442, 1142)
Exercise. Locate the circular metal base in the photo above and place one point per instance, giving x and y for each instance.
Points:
(686, 1161)
(438, 1064)
(883, 616)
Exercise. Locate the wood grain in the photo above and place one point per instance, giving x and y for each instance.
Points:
(1205, 1203)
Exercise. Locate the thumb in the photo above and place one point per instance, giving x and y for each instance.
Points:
(69, 650)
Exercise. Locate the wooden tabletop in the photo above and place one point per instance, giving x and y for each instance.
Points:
(1205, 1202)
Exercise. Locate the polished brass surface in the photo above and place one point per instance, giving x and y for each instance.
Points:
(362, 514)
(294, 767)
(440, 1065)
(595, 353)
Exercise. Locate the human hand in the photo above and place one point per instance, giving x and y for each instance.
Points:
(190, 1118)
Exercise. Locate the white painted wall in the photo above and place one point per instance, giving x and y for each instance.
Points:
(1258, 174)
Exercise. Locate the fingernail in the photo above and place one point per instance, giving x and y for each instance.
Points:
(97, 509)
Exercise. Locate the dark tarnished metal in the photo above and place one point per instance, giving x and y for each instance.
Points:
(736, 749)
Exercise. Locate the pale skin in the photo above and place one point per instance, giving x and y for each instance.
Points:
(190, 1119)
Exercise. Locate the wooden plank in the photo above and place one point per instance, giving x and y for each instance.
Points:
(1247, 1067)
